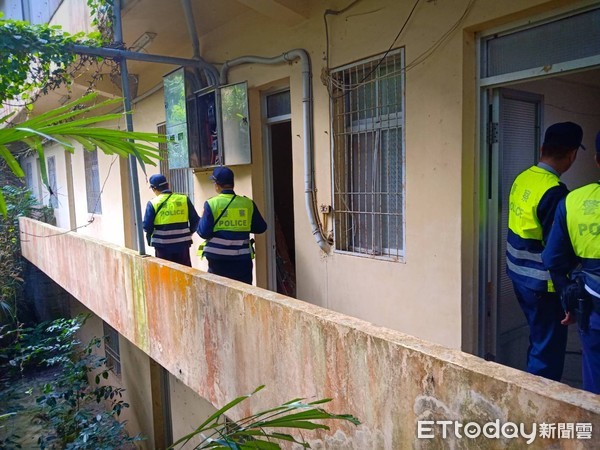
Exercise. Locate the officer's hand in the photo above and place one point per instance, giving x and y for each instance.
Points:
(569, 319)
(569, 297)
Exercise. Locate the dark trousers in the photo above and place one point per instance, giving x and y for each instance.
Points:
(181, 256)
(240, 270)
(547, 337)
(590, 349)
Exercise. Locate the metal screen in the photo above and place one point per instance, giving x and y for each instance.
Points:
(559, 41)
(368, 150)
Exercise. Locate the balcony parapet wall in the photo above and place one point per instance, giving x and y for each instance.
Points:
(223, 338)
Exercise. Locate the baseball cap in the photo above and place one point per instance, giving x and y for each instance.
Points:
(223, 176)
(564, 134)
(158, 180)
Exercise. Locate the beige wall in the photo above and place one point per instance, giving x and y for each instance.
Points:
(188, 410)
(73, 16)
(565, 101)
(222, 339)
(442, 163)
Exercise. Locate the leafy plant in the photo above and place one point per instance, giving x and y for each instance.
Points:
(39, 58)
(10, 440)
(72, 121)
(102, 18)
(36, 57)
(254, 432)
(19, 202)
(72, 408)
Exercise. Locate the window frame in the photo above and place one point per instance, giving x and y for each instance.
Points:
(112, 350)
(349, 129)
(180, 181)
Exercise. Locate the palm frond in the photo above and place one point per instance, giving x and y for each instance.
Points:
(72, 122)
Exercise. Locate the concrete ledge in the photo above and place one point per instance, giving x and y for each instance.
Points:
(223, 338)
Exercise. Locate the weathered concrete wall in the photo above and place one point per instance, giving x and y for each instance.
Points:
(222, 338)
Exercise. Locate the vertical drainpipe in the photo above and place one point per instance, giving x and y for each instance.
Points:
(132, 162)
(309, 176)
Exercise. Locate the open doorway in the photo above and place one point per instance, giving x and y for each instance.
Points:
(517, 106)
(282, 259)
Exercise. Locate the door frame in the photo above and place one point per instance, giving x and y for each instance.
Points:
(489, 168)
(267, 122)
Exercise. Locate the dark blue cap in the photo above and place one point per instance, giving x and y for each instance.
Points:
(598, 142)
(564, 134)
(158, 181)
(223, 176)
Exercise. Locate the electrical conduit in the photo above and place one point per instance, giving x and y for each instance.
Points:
(309, 184)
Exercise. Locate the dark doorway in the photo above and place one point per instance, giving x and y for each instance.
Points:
(283, 207)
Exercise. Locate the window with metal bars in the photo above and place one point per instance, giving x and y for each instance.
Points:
(368, 156)
(52, 199)
(180, 180)
(111, 348)
(92, 182)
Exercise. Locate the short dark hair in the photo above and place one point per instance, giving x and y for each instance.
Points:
(561, 138)
(556, 151)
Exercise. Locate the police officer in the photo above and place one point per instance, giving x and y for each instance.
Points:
(574, 240)
(169, 222)
(226, 224)
(533, 198)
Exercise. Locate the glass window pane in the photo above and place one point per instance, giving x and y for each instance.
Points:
(236, 126)
(92, 182)
(176, 119)
(555, 42)
(279, 104)
(52, 199)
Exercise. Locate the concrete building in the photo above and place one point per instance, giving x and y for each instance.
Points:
(379, 137)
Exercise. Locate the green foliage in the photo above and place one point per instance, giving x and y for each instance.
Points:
(19, 202)
(73, 122)
(67, 403)
(254, 432)
(10, 440)
(102, 17)
(36, 56)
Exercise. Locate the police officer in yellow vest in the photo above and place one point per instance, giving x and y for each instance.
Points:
(169, 222)
(533, 199)
(574, 240)
(226, 224)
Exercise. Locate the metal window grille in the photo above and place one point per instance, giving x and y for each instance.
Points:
(111, 348)
(29, 176)
(52, 199)
(368, 156)
(92, 182)
(180, 180)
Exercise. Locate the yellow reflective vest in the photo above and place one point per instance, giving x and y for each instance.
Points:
(525, 233)
(171, 222)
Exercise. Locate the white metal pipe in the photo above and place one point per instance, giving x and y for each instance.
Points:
(209, 69)
(309, 184)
